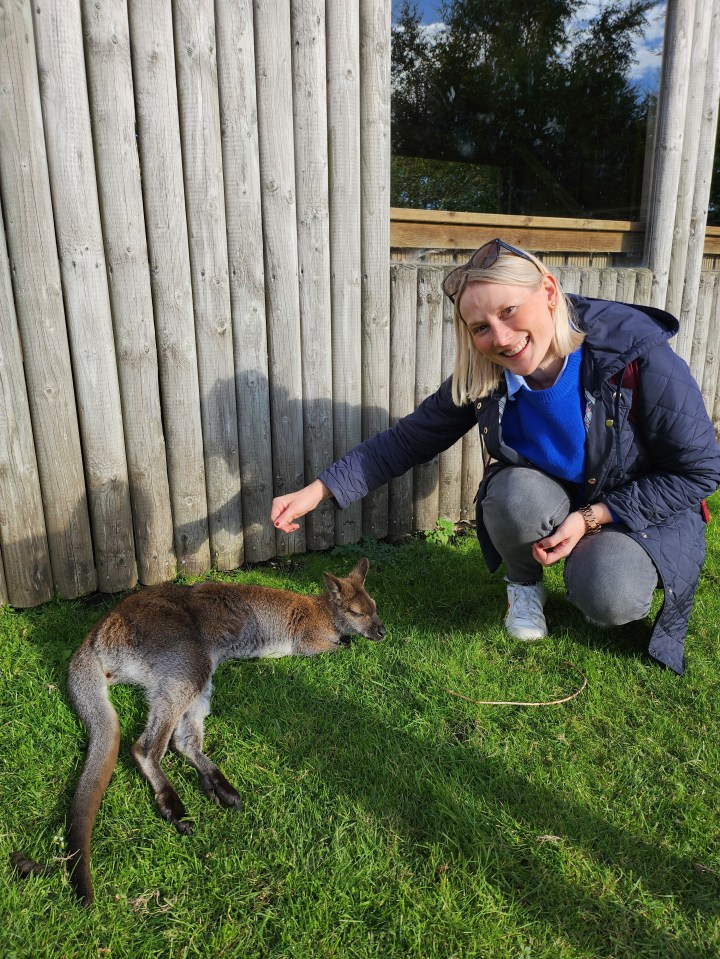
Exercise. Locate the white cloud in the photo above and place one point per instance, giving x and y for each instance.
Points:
(644, 72)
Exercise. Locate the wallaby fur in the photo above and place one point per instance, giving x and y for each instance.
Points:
(169, 640)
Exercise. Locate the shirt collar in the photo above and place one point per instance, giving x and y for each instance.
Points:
(516, 383)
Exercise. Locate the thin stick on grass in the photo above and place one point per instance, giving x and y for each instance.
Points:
(551, 702)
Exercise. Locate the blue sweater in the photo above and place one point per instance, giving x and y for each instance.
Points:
(546, 426)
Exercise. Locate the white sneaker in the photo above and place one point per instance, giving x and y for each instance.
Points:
(525, 618)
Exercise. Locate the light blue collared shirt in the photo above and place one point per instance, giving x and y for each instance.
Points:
(515, 382)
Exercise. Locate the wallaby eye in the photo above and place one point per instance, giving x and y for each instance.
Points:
(355, 612)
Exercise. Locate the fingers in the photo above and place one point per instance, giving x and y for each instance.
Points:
(547, 555)
(283, 516)
(290, 507)
(559, 544)
(286, 526)
(279, 506)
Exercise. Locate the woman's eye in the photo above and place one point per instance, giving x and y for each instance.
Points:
(508, 311)
(478, 330)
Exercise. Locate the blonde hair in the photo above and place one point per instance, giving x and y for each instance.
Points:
(475, 375)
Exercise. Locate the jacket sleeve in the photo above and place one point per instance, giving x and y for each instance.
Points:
(680, 440)
(433, 427)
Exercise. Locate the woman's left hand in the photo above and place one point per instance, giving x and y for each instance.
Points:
(559, 544)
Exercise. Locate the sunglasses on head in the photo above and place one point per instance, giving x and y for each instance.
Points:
(481, 259)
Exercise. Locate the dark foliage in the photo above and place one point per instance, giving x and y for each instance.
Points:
(549, 118)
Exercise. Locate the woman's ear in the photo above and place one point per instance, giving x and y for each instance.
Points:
(549, 285)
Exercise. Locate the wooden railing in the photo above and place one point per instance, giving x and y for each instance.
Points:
(586, 242)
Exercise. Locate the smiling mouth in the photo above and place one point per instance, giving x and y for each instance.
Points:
(516, 349)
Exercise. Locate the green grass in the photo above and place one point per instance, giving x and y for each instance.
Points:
(383, 817)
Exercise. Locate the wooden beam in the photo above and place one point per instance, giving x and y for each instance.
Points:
(465, 231)
(447, 230)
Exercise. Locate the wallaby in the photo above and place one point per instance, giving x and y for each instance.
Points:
(169, 640)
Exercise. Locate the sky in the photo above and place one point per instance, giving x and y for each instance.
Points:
(645, 73)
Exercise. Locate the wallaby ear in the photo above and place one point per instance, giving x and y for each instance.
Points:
(360, 572)
(333, 583)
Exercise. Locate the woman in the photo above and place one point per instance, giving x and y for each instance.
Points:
(601, 448)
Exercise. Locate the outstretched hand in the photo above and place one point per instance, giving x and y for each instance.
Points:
(291, 506)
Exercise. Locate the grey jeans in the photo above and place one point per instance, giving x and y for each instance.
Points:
(608, 576)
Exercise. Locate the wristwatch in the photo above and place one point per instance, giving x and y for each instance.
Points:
(591, 524)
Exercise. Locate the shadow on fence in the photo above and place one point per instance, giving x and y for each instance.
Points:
(241, 518)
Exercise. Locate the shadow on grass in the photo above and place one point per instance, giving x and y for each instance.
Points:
(456, 592)
(451, 795)
(630, 641)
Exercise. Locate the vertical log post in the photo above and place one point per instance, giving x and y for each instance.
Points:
(568, 277)
(196, 65)
(156, 104)
(643, 287)
(625, 288)
(343, 32)
(71, 162)
(589, 282)
(672, 102)
(112, 112)
(427, 379)
(706, 138)
(703, 328)
(689, 157)
(450, 500)
(277, 170)
(403, 308)
(241, 168)
(28, 579)
(711, 370)
(607, 287)
(472, 473)
(375, 236)
(648, 159)
(311, 169)
(30, 229)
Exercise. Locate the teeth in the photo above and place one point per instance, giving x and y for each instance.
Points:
(517, 349)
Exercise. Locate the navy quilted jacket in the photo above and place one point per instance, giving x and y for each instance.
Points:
(652, 468)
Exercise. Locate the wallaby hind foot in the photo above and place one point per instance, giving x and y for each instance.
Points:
(216, 787)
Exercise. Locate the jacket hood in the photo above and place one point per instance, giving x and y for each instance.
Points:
(618, 332)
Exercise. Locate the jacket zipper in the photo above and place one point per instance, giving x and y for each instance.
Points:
(616, 426)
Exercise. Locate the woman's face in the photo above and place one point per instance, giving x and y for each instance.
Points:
(513, 326)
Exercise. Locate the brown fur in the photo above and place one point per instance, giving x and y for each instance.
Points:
(169, 640)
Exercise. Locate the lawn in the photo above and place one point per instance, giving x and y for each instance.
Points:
(382, 816)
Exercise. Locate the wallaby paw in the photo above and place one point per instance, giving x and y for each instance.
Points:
(183, 827)
(172, 810)
(217, 788)
(28, 867)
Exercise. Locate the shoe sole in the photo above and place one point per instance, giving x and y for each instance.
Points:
(526, 639)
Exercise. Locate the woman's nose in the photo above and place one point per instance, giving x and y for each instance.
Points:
(502, 335)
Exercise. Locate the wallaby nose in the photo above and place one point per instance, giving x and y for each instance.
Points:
(380, 631)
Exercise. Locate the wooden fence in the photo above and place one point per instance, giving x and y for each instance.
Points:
(194, 284)
(198, 309)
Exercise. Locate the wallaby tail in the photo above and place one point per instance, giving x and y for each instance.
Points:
(88, 690)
